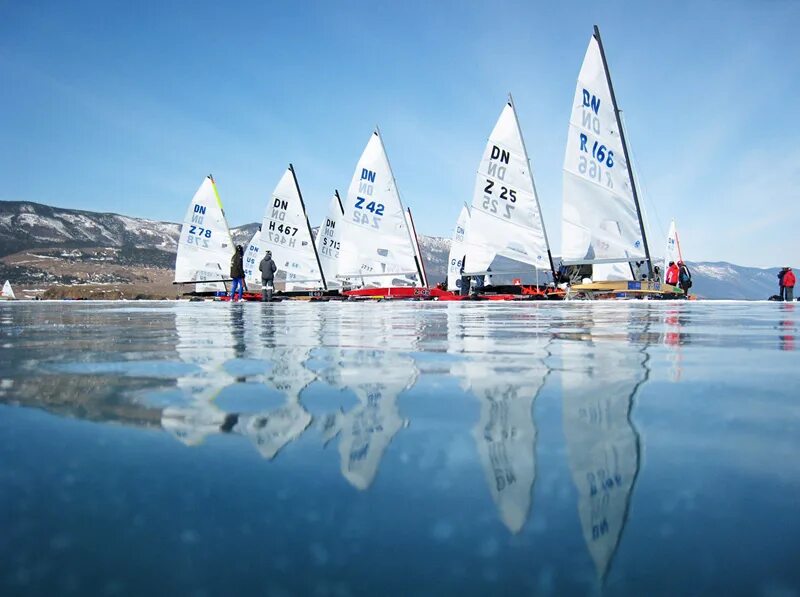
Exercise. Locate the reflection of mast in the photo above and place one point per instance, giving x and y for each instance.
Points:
(600, 381)
(505, 435)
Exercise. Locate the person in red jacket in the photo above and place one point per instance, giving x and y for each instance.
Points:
(672, 273)
(788, 282)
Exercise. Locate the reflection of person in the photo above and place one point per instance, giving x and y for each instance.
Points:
(237, 272)
(268, 268)
(788, 282)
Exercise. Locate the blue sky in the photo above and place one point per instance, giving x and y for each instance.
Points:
(125, 107)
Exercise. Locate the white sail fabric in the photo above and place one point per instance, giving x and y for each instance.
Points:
(673, 252)
(252, 258)
(205, 247)
(285, 232)
(599, 218)
(329, 242)
(375, 235)
(8, 292)
(457, 250)
(505, 218)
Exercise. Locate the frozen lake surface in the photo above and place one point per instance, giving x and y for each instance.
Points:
(629, 448)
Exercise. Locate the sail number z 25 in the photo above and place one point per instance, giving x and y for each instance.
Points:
(508, 196)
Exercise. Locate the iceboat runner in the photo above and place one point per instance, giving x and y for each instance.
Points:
(379, 255)
(286, 233)
(604, 243)
(205, 246)
(505, 236)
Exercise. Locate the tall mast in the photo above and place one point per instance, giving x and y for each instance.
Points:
(417, 248)
(625, 151)
(310, 234)
(339, 200)
(533, 184)
(397, 190)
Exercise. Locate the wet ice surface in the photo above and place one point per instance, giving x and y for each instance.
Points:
(399, 448)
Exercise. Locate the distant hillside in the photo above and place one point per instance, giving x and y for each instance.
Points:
(42, 245)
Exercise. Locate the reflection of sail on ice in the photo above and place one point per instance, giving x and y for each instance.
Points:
(599, 382)
(377, 378)
(288, 347)
(209, 352)
(506, 382)
(377, 373)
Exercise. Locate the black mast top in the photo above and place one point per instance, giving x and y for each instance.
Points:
(625, 151)
(310, 234)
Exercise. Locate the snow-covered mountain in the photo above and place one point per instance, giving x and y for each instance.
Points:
(40, 243)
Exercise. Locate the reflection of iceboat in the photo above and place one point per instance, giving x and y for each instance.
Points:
(600, 380)
(257, 339)
(376, 378)
(193, 421)
(506, 382)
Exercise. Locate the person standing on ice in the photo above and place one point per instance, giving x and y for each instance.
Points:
(268, 269)
(781, 287)
(788, 282)
(672, 274)
(684, 278)
(237, 273)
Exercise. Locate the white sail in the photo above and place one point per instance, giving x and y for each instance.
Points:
(8, 292)
(205, 247)
(673, 252)
(285, 232)
(377, 249)
(599, 219)
(252, 258)
(457, 250)
(505, 217)
(329, 242)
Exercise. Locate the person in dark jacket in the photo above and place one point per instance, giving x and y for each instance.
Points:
(237, 273)
(684, 278)
(465, 280)
(268, 269)
(788, 282)
(781, 287)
